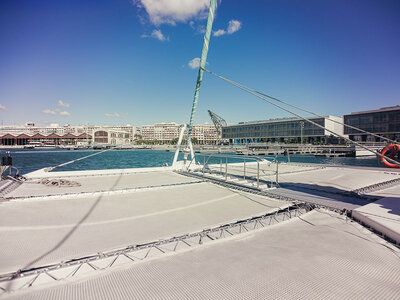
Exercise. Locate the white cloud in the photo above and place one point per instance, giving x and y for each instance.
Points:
(194, 63)
(64, 113)
(2, 107)
(233, 26)
(219, 32)
(49, 112)
(62, 104)
(172, 11)
(156, 34)
(112, 114)
(57, 110)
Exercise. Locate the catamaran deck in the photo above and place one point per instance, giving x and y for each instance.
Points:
(91, 213)
(86, 183)
(317, 256)
(329, 178)
(66, 227)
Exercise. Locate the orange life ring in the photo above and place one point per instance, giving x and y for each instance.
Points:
(394, 148)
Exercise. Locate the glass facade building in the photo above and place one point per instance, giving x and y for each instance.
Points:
(384, 121)
(281, 130)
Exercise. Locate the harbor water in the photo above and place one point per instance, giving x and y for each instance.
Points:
(30, 160)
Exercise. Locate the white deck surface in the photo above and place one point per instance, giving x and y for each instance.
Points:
(338, 178)
(382, 215)
(388, 192)
(50, 230)
(322, 185)
(328, 178)
(317, 256)
(100, 182)
(330, 186)
(44, 172)
(320, 256)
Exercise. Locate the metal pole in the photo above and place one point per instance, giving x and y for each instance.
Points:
(258, 174)
(204, 164)
(226, 169)
(276, 172)
(178, 145)
(220, 165)
(301, 132)
(244, 169)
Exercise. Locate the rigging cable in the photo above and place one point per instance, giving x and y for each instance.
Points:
(337, 122)
(312, 113)
(78, 159)
(244, 88)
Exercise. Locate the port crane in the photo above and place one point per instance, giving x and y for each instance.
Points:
(218, 121)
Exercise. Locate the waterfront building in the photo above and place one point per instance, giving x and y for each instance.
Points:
(111, 135)
(55, 134)
(205, 134)
(284, 130)
(163, 132)
(167, 132)
(384, 121)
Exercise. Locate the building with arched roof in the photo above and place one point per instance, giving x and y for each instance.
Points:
(67, 135)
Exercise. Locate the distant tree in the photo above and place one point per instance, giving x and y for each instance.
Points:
(175, 141)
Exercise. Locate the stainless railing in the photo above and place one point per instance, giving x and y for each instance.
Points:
(220, 163)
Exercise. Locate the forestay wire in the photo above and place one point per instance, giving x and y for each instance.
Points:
(315, 114)
(78, 159)
(257, 94)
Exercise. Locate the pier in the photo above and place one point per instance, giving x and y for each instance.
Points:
(296, 149)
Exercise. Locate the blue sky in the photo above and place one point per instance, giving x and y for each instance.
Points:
(123, 61)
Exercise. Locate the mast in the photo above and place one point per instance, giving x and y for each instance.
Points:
(203, 60)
